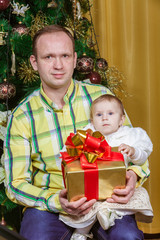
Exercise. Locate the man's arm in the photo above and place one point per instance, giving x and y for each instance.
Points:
(19, 170)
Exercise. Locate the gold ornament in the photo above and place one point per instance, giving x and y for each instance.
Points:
(26, 73)
(90, 42)
(13, 59)
(77, 27)
(79, 15)
(115, 81)
(74, 9)
(2, 35)
(52, 4)
(38, 22)
(3, 222)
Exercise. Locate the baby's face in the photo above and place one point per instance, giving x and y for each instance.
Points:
(107, 117)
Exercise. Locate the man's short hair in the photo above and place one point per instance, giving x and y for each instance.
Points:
(50, 29)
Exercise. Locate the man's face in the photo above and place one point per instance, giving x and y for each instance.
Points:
(107, 117)
(55, 61)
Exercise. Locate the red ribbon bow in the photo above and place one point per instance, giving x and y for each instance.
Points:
(86, 146)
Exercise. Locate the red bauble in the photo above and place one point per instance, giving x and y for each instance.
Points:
(4, 4)
(84, 64)
(94, 77)
(7, 90)
(20, 28)
(101, 64)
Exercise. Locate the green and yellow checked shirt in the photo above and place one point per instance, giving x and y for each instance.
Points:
(36, 133)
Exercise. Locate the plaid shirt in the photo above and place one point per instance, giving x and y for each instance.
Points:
(36, 132)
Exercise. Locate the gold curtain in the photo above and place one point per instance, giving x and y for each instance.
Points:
(128, 34)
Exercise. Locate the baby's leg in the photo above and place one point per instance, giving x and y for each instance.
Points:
(83, 233)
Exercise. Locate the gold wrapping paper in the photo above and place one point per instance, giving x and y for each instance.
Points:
(111, 174)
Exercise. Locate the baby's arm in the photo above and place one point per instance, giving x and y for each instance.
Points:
(135, 155)
(126, 149)
(139, 148)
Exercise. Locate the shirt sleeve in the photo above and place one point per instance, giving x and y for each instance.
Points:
(142, 172)
(142, 144)
(144, 147)
(139, 157)
(19, 170)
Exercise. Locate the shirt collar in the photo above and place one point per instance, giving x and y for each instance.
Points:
(69, 96)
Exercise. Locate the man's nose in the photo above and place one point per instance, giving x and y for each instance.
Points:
(58, 64)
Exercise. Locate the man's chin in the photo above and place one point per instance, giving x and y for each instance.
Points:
(61, 83)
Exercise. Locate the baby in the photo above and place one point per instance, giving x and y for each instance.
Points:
(107, 117)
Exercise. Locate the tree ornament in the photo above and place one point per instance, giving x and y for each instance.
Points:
(7, 90)
(79, 15)
(77, 27)
(27, 73)
(2, 36)
(4, 4)
(13, 59)
(3, 124)
(3, 222)
(19, 9)
(90, 42)
(20, 28)
(94, 77)
(52, 4)
(38, 22)
(101, 64)
(84, 64)
(74, 8)
(115, 80)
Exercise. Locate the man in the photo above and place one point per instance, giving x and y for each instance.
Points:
(37, 131)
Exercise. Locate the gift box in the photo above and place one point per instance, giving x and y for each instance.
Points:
(90, 167)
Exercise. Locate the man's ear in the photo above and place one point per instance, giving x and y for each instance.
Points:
(33, 62)
(75, 59)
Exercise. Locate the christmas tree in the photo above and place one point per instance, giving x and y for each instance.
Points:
(19, 20)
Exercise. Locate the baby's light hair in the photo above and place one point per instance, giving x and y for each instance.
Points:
(109, 98)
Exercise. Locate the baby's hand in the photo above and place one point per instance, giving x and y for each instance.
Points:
(126, 149)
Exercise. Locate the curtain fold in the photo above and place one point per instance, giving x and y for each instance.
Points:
(128, 34)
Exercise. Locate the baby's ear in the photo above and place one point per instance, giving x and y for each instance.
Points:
(123, 119)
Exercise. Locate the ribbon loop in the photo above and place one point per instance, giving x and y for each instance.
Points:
(92, 144)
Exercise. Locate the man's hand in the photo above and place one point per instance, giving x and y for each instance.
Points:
(126, 149)
(78, 208)
(124, 195)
